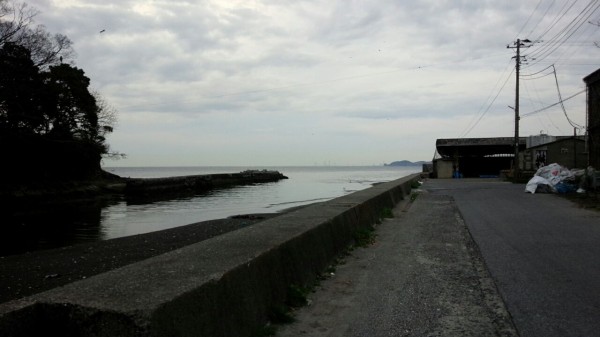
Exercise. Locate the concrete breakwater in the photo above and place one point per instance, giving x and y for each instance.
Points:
(135, 188)
(156, 187)
(225, 286)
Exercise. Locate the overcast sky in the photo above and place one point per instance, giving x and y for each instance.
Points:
(324, 82)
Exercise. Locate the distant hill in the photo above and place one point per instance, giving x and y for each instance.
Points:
(407, 163)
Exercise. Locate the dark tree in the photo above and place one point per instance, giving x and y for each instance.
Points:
(72, 112)
(56, 102)
(17, 26)
(51, 126)
(21, 88)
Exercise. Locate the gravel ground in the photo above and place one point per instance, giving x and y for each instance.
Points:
(30, 273)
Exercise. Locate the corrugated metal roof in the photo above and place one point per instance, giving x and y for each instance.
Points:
(477, 147)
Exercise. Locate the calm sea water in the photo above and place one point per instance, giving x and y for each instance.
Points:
(71, 224)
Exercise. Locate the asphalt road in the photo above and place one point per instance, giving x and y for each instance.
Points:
(469, 257)
(542, 251)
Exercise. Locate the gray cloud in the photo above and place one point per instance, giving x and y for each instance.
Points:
(300, 77)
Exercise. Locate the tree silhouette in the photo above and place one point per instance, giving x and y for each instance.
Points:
(72, 110)
(51, 125)
(17, 26)
(20, 92)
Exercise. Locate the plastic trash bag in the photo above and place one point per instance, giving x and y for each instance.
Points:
(555, 173)
(536, 181)
(564, 188)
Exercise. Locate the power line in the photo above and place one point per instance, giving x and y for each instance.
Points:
(564, 34)
(535, 78)
(465, 133)
(529, 18)
(573, 124)
(537, 103)
(543, 50)
(557, 19)
(589, 29)
(552, 105)
(539, 72)
(541, 18)
(572, 32)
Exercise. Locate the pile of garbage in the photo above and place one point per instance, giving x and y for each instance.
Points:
(554, 178)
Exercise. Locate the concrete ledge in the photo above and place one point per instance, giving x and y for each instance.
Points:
(225, 286)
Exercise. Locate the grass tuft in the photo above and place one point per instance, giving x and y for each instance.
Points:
(364, 237)
(387, 212)
(413, 196)
(297, 296)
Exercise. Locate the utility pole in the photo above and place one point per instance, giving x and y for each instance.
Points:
(518, 46)
(574, 147)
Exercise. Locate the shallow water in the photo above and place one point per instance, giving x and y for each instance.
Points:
(33, 229)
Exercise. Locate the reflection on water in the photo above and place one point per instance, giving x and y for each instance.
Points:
(39, 227)
(50, 226)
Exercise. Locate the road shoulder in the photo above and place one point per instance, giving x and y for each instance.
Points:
(424, 276)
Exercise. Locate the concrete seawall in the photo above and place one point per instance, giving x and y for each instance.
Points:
(225, 286)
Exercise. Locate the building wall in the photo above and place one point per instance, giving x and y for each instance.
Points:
(443, 168)
(561, 152)
(593, 122)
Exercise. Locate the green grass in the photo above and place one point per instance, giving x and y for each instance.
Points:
(413, 196)
(387, 213)
(364, 237)
(414, 184)
(297, 296)
(282, 314)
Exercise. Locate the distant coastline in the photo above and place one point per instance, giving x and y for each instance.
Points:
(407, 163)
